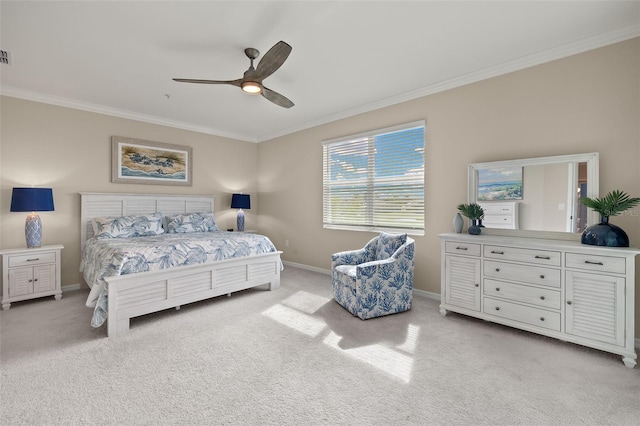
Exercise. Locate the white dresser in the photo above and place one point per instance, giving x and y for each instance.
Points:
(563, 289)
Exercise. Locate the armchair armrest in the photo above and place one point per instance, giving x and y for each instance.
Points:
(355, 257)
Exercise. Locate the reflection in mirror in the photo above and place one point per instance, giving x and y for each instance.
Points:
(536, 194)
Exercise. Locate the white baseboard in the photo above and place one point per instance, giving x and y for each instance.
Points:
(307, 267)
(70, 287)
(427, 294)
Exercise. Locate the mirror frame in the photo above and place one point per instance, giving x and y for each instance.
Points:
(593, 163)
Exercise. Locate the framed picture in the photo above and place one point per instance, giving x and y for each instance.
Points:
(495, 184)
(145, 162)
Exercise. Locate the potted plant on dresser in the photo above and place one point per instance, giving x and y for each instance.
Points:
(475, 213)
(605, 233)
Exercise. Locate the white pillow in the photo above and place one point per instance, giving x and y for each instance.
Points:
(191, 222)
(127, 226)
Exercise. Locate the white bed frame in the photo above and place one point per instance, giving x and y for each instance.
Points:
(145, 292)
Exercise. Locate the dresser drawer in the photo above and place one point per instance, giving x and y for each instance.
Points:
(588, 262)
(527, 274)
(469, 249)
(498, 220)
(31, 259)
(525, 314)
(539, 257)
(543, 297)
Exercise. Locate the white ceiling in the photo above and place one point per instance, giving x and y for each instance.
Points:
(348, 57)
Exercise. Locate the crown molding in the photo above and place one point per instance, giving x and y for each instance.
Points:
(579, 46)
(15, 92)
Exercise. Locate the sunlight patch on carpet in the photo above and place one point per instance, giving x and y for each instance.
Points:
(295, 320)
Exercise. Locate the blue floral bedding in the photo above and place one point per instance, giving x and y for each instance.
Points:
(119, 256)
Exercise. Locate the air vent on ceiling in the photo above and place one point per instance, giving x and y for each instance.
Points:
(5, 57)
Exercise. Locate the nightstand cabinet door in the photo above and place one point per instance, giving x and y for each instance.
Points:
(20, 282)
(44, 278)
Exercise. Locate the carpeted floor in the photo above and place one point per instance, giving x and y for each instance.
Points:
(294, 357)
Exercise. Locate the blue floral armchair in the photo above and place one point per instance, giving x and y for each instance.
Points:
(377, 279)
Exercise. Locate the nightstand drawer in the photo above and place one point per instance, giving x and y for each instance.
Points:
(31, 259)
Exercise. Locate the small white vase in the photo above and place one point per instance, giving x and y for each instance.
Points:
(458, 222)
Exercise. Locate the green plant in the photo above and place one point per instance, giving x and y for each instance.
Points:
(473, 211)
(612, 204)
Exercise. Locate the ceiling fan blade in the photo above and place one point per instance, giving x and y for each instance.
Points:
(272, 60)
(189, 80)
(276, 98)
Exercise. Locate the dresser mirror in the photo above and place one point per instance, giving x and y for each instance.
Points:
(536, 197)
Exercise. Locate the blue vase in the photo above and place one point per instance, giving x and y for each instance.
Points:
(605, 234)
(474, 229)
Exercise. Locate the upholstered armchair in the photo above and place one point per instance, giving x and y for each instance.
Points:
(377, 279)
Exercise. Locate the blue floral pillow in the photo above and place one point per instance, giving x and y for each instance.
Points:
(191, 222)
(388, 244)
(127, 226)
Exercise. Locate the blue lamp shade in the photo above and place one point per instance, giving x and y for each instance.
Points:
(32, 200)
(240, 201)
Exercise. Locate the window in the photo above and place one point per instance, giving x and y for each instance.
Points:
(375, 180)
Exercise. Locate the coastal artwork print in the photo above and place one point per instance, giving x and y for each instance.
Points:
(504, 183)
(139, 161)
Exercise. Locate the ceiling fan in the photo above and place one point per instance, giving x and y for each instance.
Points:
(251, 82)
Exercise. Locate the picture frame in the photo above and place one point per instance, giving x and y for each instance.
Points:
(499, 184)
(153, 163)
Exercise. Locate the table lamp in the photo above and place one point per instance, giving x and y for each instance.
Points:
(32, 200)
(240, 201)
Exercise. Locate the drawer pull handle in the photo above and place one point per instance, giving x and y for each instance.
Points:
(541, 318)
(568, 302)
(496, 252)
(497, 269)
(461, 248)
(497, 308)
(542, 277)
(593, 263)
(543, 257)
(541, 297)
(30, 281)
(477, 285)
(33, 260)
(497, 288)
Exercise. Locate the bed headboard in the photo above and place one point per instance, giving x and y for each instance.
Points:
(95, 204)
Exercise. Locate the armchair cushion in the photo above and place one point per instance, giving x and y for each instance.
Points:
(388, 244)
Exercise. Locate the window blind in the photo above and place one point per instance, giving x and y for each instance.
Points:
(375, 180)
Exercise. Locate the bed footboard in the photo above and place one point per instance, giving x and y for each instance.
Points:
(146, 292)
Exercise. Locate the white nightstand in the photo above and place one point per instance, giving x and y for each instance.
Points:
(28, 273)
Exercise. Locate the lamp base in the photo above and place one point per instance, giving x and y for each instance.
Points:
(240, 221)
(33, 231)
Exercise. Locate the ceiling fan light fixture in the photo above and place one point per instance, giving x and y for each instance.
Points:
(252, 87)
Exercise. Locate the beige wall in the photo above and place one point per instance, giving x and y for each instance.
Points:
(585, 103)
(70, 151)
